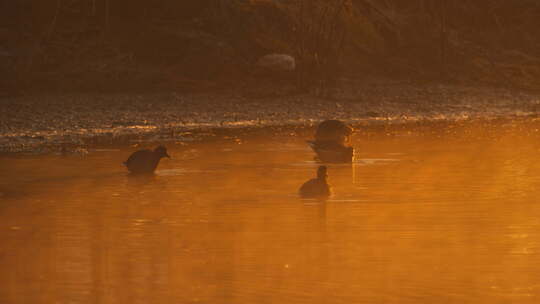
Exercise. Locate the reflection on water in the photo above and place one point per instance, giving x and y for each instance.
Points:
(447, 215)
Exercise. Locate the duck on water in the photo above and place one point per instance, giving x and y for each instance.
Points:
(317, 187)
(145, 161)
(331, 142)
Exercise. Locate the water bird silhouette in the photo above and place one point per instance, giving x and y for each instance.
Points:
(145, 161)
(317, 187)
(331, 142)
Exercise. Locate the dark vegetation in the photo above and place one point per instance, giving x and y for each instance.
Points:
(133, 45)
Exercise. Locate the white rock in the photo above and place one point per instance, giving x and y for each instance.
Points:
(277, 62)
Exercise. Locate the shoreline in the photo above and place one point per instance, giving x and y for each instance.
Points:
(45, 124)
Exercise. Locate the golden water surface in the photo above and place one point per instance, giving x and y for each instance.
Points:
(439, 214)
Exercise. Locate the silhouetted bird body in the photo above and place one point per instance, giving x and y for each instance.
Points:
(331, 142)
(333, 131)
(145, 161)
(317, 187)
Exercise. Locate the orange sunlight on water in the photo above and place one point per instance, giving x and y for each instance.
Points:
(438, 215)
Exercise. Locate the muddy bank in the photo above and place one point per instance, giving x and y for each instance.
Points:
(41, 124)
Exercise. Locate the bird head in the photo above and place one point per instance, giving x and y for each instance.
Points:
(161, 151)
(321, 172)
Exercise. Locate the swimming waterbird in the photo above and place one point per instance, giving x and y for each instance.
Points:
(317, 187)
(145, 161)
(331, 142)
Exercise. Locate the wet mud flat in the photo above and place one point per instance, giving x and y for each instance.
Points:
(51, 124)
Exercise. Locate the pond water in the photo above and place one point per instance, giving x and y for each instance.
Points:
(442, 213)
